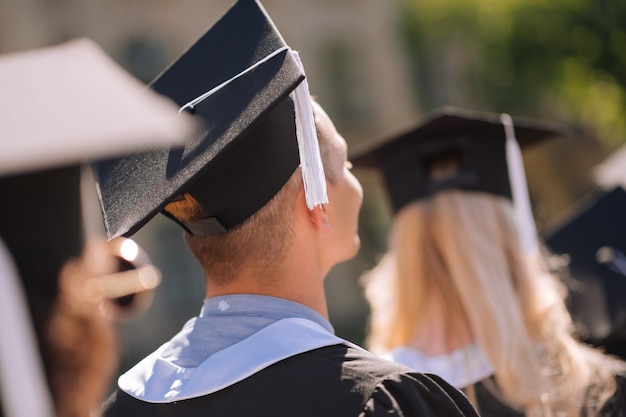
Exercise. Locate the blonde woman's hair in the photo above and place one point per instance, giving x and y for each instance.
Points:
(465, 246)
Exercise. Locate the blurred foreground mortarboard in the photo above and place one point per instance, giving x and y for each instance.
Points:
(248, 87)
(60, 108)
(454, 148)
(593, 236)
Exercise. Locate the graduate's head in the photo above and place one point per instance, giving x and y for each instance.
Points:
(459, 149)
(262, 239)
(453, 182)
(248, 88)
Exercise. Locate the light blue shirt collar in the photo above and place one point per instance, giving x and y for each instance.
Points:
(229, 319)
(251, 305)
(460, 368)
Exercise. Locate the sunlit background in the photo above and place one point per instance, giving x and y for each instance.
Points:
(376, 66)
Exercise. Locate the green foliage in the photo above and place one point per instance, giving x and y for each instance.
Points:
(559, 58)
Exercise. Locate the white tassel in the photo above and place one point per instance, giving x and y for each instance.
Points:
(519, 189)
(308, 145)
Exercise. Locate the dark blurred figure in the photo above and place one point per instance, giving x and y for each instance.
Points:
(591, 240)
(61, 107)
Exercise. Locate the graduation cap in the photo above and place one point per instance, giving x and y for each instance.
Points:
(593, 236)
(60, 107)
(248, 87)
(455, 148)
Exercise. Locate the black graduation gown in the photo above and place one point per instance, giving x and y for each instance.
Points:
(336, 380)
(490, 405)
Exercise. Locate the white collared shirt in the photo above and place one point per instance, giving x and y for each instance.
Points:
(459, 368)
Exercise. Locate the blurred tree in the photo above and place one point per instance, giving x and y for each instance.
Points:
(561, 59)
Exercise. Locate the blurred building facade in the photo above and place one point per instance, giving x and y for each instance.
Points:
(349, 48)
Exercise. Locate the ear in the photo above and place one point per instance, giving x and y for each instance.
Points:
(319, 217)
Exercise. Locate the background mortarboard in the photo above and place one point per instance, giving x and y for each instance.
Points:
(454, 148)
(71, 103)
(477, 139)
(593, 236)
(244, 155)
(60, 107)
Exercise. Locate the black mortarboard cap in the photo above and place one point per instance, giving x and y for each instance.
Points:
(474, 141)
(593, 236)
(237, 78)
(61, 107)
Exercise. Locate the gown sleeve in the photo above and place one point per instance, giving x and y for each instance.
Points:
(415, 394)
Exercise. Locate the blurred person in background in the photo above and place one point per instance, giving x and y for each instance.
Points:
(60, 107)
(267, 220)
(588, 243)
(463, 291)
